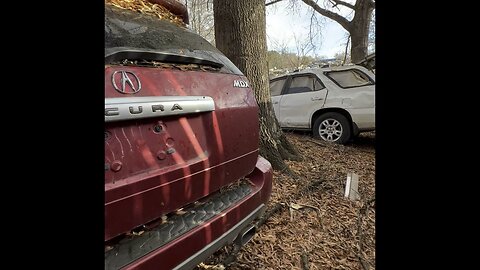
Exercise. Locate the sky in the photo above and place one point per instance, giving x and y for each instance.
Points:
(285, 23)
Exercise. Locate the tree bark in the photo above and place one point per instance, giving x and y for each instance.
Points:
(240, 33)
(359, 32)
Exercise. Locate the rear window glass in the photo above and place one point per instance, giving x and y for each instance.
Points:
(125, 28)
(128, 31)
(318, 85)
(301, 85)
(349, 78)
(276, 87)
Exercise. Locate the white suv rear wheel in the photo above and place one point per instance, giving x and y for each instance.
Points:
(332, 127)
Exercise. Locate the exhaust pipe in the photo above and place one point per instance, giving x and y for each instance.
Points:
(245, 235)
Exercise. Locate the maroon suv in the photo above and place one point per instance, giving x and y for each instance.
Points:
(183, 176)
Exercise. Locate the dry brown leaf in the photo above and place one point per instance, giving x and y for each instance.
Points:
(296, 206)
(145, 7)
(329, 234)
(180, 212)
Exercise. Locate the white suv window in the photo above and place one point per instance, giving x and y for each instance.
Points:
(300, 85)
(318, 85)
(276, 87)
(349, 78)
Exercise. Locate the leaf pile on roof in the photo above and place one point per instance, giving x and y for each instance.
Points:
(146, 7)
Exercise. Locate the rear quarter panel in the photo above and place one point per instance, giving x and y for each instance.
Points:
(359, 102)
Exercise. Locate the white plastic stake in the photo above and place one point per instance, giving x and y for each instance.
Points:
(351, 187)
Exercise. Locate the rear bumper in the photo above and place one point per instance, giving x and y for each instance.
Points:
(194, 246)
(220, 242)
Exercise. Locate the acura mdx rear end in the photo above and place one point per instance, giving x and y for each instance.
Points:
(183, 175)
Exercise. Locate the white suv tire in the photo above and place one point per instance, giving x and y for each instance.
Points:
(332, 127)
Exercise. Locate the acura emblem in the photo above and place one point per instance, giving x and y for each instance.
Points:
(130, 84)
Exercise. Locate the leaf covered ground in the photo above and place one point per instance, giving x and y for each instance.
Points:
(313, 226)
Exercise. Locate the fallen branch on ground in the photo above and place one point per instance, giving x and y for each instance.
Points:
(317, 143)
(361, 212)
(304, 260)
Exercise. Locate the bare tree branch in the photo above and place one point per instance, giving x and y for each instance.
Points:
(342, 3)
(334, 5)
(329, 14)
(273, 2)
(362, 212)
(346, 51)
(311, 35)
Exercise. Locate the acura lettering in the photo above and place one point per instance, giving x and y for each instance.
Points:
(156, 108)
(117, 109)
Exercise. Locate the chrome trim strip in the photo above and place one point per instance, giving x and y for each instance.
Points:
(129, 108)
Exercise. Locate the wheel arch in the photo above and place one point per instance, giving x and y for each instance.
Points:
(337, 110)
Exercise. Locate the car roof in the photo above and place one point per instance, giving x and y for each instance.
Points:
(322, 70)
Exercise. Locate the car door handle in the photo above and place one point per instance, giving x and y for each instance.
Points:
(316, 98)
(275, 102)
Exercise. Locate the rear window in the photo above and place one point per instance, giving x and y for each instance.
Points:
(276, 87)
(126, 30)
(301, 84)
(349, 78)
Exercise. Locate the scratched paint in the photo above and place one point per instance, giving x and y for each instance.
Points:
(120, 143)
(128, 141)
(205, 144)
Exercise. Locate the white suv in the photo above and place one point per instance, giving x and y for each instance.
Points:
(336, 103)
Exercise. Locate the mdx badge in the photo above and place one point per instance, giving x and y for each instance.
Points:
(126, 82)
(240, 84)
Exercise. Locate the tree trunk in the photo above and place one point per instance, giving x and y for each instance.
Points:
(240, 33)
(359, 46)
(359, 30)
